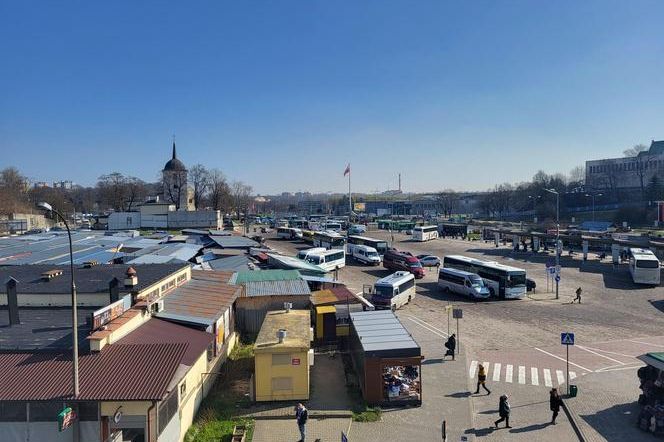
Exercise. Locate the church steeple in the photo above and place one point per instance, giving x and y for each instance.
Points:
(175, 157)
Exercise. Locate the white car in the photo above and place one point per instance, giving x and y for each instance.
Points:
(429, 260)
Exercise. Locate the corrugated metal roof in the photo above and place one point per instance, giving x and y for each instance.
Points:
(235, 263)
(276, 288)
(334, 295)
(265, 275)
(381, 332)
(289, 262)
(154, 259)
(234, 242)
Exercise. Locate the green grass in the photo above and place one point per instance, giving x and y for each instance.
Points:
(369, 414)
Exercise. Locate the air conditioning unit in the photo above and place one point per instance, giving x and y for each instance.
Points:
(157, 307)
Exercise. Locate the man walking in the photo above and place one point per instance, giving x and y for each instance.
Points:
(554, 403)
(301, 415)
(481, 379)
(578, 295)
(451, 346)
(503, 412)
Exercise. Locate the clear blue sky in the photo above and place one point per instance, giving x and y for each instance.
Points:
(282, 94)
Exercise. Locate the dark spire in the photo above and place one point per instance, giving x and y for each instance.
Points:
(174, 154)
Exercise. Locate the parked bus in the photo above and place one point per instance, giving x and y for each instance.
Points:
(332, 226)
(364, 254)
(378, 244)
(644, 267)
(329, 240)
(303, 254)
(396, 260)
(425, 233)
(328, 260)
(393, 291)
(462, 283)
(288, 233)
(298, 223)
(503, 281)
(308, 236)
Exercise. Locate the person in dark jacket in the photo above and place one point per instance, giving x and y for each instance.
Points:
(578, 295)
(451, 346)
(555, 401)
(504, 412)
(301, 414)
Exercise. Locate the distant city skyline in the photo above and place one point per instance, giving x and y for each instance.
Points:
(282, 95)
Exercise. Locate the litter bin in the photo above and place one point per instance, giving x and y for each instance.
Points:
(573, 390)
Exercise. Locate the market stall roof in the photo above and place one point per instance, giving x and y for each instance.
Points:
(382, 335)
(234, 242)
(334, 295)
(295, 322)
(289, 262)
(654, 359)
(234, 263)
(265, 275)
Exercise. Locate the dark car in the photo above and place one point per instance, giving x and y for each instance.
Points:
(530, 285)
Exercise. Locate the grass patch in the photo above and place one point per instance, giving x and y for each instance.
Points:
(369, 414)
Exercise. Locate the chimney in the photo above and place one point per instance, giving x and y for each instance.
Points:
(114, 289)
(131, 280)
(12, 302)
(281, 335)
(288, 306)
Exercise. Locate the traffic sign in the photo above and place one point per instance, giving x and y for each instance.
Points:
(552, 270)
(557, 278)
(344, 438)
(567, 338)
(457, 313)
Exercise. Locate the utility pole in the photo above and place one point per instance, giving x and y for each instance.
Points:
(555, 192)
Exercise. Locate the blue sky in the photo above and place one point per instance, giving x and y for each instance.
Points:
(282, 94)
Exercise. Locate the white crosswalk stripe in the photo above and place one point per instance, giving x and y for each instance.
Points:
(473, 368)
(496, 371)
(508, 373)
(522, 374)
(487, 366)
(547, 377)
(572, 374)
(534, 377)
(561, 377)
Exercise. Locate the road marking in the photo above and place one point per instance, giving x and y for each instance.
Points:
(522, 374)
(426, 325)
(600, 355)
(429, 325)
(473, 368)
(646, 343)
(562, 359)
(547, 377)
(561, 377)
(486, 366)
(604, 370)
(572, 375)
(611, 352)
(534, 377)
(496, 371)
(508, 373)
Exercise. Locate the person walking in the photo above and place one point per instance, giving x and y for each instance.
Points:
(481, 380)
(503, 412)
(301, 415)
(451, 346)
(555, 401)
(578, 295)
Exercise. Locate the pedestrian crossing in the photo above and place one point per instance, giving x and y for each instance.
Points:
(499, 372)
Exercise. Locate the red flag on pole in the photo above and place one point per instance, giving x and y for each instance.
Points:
(347, 171)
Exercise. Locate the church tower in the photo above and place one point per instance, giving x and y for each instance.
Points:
(174, 178)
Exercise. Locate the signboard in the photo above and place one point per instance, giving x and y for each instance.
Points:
(457, 313)
(359, 207)
(106, 314)
(557, 278)
(295, 361)
(567, 338)
(66, 418)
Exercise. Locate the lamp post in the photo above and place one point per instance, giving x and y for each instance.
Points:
(48, 208)
(555, 192)
(593, 195)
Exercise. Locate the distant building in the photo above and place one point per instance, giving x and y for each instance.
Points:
(176, 189)
(66, 185)
(40, 184)
(310, 206)
(627, 172)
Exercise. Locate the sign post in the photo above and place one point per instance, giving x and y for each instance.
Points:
(457, 314)
(567, 339)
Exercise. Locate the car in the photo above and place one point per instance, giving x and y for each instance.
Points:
(429, 260)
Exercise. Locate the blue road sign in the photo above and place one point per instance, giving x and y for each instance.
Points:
(567, 338)
(557, 278)
(344, 438)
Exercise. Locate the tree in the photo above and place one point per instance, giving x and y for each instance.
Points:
(13, 191)
(447, 201)
(135, 191)
(635, 150)
(120, 192)
(199, 177)
(240, 193)
(219, 194)
(175, 186)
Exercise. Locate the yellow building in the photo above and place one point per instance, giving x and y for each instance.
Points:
(282, 356)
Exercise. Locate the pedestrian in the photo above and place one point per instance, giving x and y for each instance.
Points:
(451, 346)
(555, 401)
(578, 295)
(301, 415)
(481, 380)
(503, 412)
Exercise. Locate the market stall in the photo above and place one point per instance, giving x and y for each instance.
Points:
(651, 376)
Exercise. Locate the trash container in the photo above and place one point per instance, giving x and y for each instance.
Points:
(573, 390)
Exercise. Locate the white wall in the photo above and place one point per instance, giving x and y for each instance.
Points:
(124, 220)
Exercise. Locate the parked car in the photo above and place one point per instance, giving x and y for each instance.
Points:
(429, 260)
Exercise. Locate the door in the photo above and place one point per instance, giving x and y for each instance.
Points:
(329, 327)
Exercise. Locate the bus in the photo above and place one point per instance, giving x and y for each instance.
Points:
(288, 233)
(503, 281)
(644, 267)
(303, 254)
(333, 226)
(425, 233)
(378, 244)
(308, 236)
(462, 283)
(328, 260)
(298, 223)
(393, 291)
(329, 240)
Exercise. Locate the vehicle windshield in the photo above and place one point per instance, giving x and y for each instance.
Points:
(383, 291)
(372, 254)
(516, 280)
(476, 282)
(314, 259)
(647, 264)
(414, 265)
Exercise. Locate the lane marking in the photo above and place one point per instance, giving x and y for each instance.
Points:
(562, 359)
(600, 355)
(547, 377)
(619, 368)
(473, 369)
(611, 352)
(486, 368)
(508, 373)
(426, 325)
(496, 371)
(522, 374)
(534, 377)
(646, 343)
(561, 377)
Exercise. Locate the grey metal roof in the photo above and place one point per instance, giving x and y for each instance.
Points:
(383, 335)
(276, 288)
(154, 259)
(230, 242)
(234, 263)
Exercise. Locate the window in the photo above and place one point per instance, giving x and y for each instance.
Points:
(183, 389)
(282, 384)
(281, 359)
(406, 285)
(87, 411)
(167, 409)
(647, 264)
(45, 411)
(13, 412)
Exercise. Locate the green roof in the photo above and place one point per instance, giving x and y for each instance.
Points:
(265, 275)
(658, 355)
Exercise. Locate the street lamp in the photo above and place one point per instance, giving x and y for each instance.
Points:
(555, 192)
(594, 195)
(48, 208)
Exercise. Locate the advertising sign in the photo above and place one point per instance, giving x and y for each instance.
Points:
(106, 314)
(359, 207)
(295, 361)
(220, 334)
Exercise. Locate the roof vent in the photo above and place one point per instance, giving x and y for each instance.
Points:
(281, 335)
(90, 264)
(50, 274)
(131, 280)
(288, 306)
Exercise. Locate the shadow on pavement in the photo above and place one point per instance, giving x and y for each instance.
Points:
(459, 395)
(432, 361)
(433, 291)
(617, 423)
(533, 427)
(659, 305)
(481, 432)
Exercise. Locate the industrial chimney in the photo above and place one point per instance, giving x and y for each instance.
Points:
(12, 302)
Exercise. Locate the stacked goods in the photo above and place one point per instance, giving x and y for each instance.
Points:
(651, 417)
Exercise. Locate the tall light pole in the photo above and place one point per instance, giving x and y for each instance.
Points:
(74, 313)
(555, 192)
(593, 195)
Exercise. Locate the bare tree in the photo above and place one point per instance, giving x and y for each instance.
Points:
(135, 192)
(120, 192)
(199, 177)
(240, 193)
(635, 150)
(447, 201)
(175, 186)
(13, 191)
(219, 196)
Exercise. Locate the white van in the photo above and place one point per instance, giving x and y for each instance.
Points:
(304, 254)
(365, 254)
(463, 283)
(393, 291)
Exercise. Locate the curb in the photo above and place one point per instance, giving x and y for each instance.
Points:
(574, 420)
(338, 415)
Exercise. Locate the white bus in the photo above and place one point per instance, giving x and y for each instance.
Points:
(328, 260)
(302, 254)
(425, 233)
(502, 281)
(333, 226)
(329, 240)
(644, 267)
(288, 233)
(462, 283)
(393, 291)
(378, 244)
(364, 254)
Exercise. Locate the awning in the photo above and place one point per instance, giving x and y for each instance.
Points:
(320, 279)
(654, 359)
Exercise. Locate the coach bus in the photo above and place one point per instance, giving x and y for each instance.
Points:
(378, 244)
(329, 240)
(425, 233)
(503, 281)
(644, 267)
